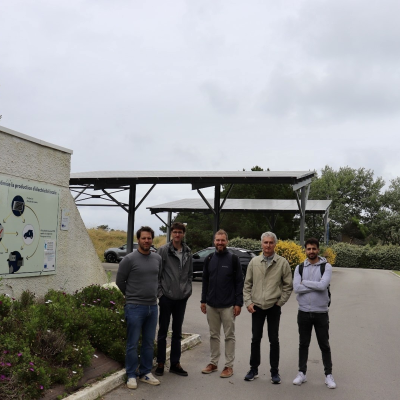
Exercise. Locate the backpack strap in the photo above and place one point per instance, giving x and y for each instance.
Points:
(322, 269)
(301, 267)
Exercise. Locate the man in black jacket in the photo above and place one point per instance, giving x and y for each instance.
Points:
(174, 289)
(222, 300)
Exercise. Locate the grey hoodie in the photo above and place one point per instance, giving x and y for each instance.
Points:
(175, 281)
(312, 292)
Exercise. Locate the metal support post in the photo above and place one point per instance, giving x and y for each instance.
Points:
(131, 218)
(217, 201)
(303, 200)
(169, 226)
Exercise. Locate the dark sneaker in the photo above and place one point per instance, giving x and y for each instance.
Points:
(177, 369)
(251, 375)
(276, 379)
(160, 369)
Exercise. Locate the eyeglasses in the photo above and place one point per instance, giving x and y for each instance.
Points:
(177, 232)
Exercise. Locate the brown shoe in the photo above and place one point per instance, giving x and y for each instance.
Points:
(210, 368)
(227, 372)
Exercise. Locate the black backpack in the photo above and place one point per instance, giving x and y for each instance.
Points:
(322, 269)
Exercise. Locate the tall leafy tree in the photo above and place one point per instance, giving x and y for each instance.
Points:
(355, 195)
(386, 224)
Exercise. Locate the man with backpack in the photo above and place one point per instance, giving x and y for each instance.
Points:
(311, 284)
(221, 301)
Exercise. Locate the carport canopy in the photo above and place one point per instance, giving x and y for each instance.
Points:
(101, 186)
(242, 205)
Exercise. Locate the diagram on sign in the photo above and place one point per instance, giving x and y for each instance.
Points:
(29, 239)
(28, 229)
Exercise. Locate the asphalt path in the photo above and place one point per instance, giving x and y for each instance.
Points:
(365, 342)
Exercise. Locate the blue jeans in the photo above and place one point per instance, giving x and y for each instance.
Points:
(140, 318)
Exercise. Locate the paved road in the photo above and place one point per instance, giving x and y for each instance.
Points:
(365, 341)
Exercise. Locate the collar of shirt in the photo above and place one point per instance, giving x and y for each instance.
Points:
(269, 259)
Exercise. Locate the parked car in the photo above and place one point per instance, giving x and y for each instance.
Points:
(116, 254)
(198, 259)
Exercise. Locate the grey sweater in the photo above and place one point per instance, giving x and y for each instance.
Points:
(312, 291)
(137, 277)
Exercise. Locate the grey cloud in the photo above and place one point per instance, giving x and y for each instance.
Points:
(339, 94)
(219, 98)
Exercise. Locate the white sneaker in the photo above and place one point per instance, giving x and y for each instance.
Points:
(330, 382)
(131, 384)
(149, 378)
(300, 378)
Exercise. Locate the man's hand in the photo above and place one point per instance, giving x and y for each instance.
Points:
(251, 309)
(203, 308)
(236, 311)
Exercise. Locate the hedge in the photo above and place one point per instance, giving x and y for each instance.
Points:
(377, 257)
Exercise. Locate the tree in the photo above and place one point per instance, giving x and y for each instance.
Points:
(103, 227)
(354, 194)
(386, 224)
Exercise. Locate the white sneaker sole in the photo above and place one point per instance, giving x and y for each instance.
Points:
(131, 387)
(150, 382)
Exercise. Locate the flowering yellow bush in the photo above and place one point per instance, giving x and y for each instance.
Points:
(330, 255)
(291, 251)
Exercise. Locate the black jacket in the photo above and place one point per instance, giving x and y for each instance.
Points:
(222, 280)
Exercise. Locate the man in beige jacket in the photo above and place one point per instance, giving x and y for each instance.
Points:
(267, 288)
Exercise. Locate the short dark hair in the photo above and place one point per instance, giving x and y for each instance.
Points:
(178, 225)
(312, 241)
(145, 229)
(221, 232)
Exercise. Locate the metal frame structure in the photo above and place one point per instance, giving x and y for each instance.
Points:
(265, 206)
(110, 182)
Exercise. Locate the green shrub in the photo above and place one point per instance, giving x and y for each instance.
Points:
(5, 306)
(378, 257)
(50, 340)
(249, 244)
(96, 295)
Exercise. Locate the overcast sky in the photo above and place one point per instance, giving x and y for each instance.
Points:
(204, 85)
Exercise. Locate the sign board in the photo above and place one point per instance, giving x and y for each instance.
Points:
(28, 227)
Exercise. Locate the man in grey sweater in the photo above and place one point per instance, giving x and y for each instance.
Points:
(311, 282)
(137, 278)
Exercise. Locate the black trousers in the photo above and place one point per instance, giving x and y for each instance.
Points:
(273, 316)
(320, 321)
(176, 308)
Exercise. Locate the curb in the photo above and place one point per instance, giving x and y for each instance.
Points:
(393, 273)
(118, 378)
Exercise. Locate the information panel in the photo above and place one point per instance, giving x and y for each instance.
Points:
(28, 227)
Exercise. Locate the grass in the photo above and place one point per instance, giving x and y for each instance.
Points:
(397, 272)
(103, 240)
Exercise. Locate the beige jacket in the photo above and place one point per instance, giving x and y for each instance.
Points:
(264, 286)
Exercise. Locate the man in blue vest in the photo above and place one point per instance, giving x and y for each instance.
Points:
(311, 284)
